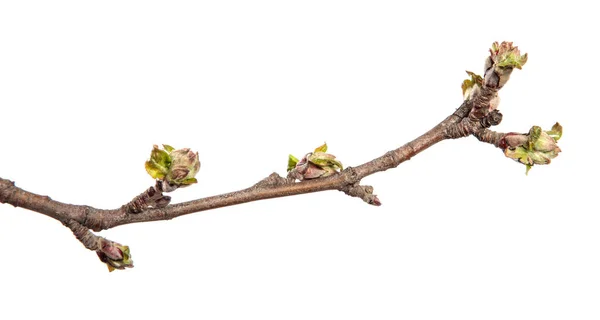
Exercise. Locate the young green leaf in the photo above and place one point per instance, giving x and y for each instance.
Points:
(555, 132)
(292, 161)
(160, 157)
(188, 181)
(155, 171)
(168, 148)
(469, 85)
(322, 148)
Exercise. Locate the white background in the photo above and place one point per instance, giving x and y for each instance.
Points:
(86, 89)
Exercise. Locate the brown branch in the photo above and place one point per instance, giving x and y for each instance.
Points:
(273, 186)
(459, 124)
(151, 198)
(363, 192)
(473, 117)
(489, 136)
(83, 234)
(18, 197)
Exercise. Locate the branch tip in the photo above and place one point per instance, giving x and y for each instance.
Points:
(535, 147)
(115, 255)
(504, 57)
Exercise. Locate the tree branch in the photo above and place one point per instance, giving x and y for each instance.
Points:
(274, 186)
(489, 136)
(176, 168)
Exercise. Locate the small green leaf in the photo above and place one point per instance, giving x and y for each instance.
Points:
(505, 55)
(155, 171)
(328, 171)
(160, 157)
(188, 181)
(529, 166)
(322, 148)
(168, 148)
(519, 154)
(495, 47)
(123, 263)
(320, 155)
(292, 161)
(512, 60)
(324, 160)
(320, 158)
(475, 80)
(337, 164)
(159, 163)
(555, 132)
(539, 157)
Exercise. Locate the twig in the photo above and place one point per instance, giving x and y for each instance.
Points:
(473, 117)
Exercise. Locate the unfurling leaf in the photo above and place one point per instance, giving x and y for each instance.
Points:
(168, 148)
(317, 164)
(159, 163)
(322, 148)
(472, 85)
(555, 132)
(536, 147)
(505, 55)
(155, 171)
(189, 181)
(325, 160)
(116, 256)
(184, 167)
(160, 157)
(292, 161)
(176, 167)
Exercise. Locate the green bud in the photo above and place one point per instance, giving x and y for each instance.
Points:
(321, 148)
(317, 164)
(177, 168)
(536, 147)
(159, 163)
(504, 57)
(185, 165)
(545, 143)
(324, 160)
(312, 171)
(555, 132)
(116, 256)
